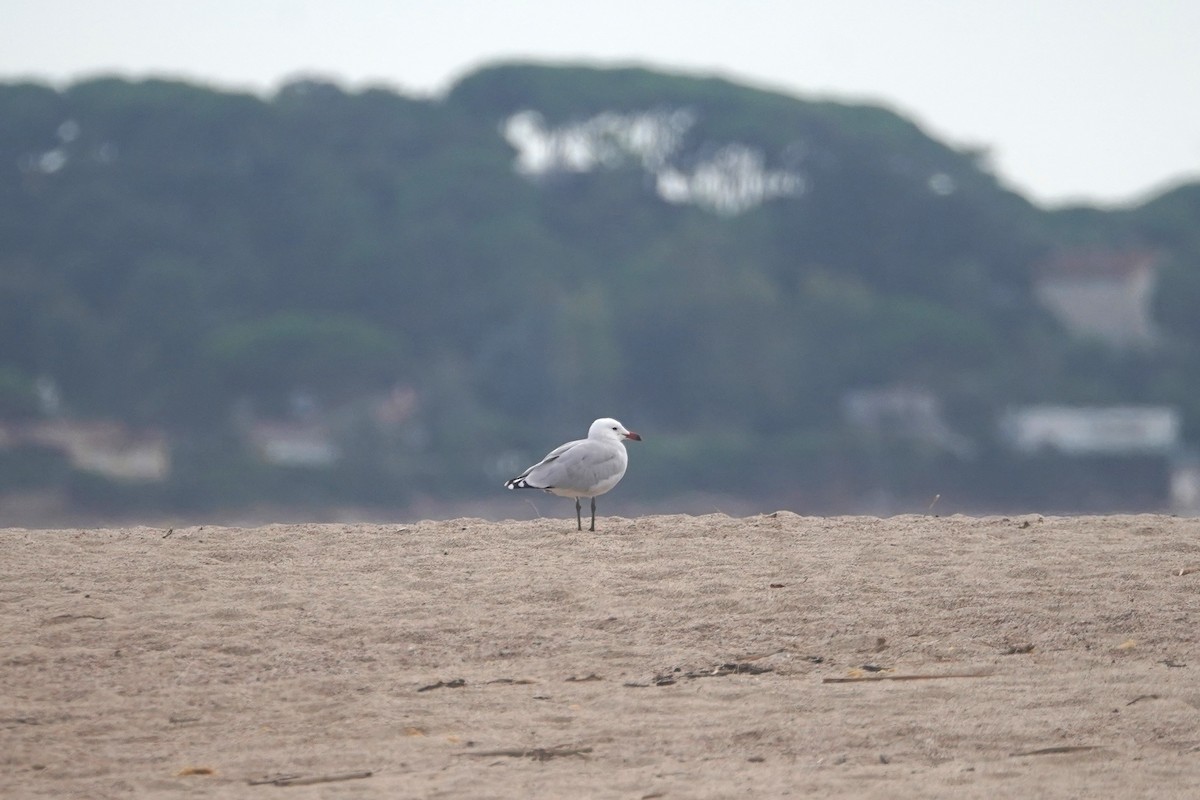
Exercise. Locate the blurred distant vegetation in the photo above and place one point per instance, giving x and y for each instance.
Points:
(179, 257)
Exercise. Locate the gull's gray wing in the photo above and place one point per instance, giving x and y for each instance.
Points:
(523, 481)
(581, 468)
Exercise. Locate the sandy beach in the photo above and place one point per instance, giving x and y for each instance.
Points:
(662, 657)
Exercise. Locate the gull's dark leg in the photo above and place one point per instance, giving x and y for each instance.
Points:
(593, 515)
(578, 515)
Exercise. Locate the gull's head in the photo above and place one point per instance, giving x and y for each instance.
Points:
(609, 428)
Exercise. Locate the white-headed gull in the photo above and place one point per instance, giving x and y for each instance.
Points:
(582, 468)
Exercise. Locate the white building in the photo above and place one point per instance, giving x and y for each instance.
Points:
(1083, 430)
(909, 412)
(1100, 294)
(105, 447)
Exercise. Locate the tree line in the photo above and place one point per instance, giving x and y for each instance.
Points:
(175, 254)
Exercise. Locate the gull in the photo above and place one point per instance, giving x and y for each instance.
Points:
(582, 468)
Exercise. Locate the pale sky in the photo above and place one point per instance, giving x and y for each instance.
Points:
(1076, 100)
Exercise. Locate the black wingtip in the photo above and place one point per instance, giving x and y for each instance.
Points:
(521, 483)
